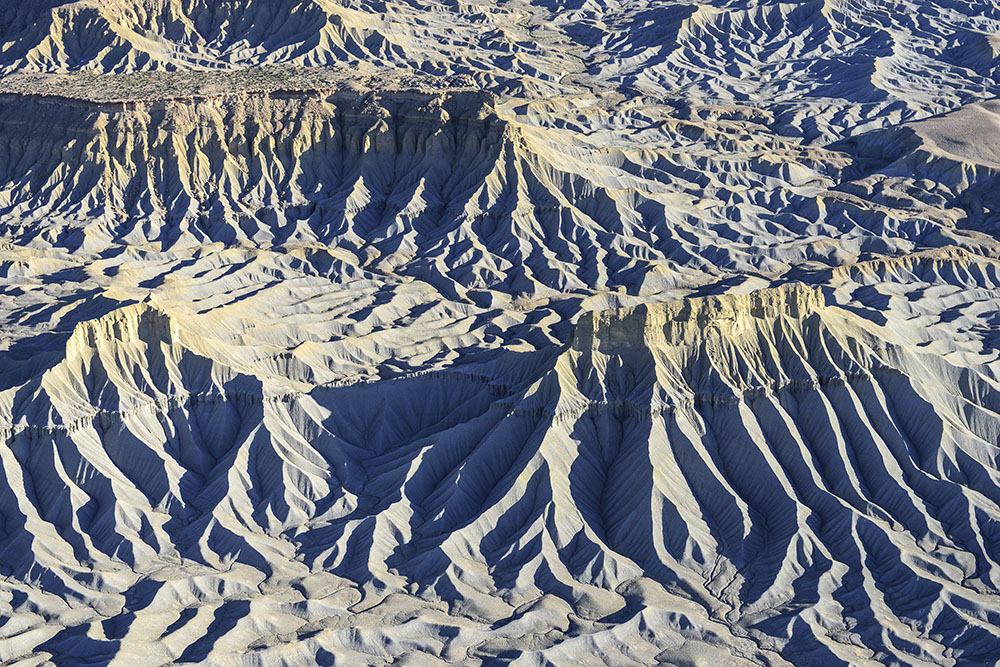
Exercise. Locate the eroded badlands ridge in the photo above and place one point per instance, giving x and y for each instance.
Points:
(514, 332)
(701, 467)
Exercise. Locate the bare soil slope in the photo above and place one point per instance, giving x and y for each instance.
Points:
(534, 333)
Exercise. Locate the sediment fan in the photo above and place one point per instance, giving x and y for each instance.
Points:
(539, 333)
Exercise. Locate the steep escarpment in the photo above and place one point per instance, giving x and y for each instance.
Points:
(213, 169)
(747, 449)
(446, 187)
(748, 470)
(436, 187)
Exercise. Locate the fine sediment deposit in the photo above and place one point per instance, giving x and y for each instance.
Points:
(532, 333)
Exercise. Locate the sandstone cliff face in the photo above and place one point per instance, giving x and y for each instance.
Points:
(227, 169)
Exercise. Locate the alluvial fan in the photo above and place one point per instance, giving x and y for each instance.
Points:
(518, 332)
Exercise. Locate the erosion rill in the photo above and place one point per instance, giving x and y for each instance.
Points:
(533, 333)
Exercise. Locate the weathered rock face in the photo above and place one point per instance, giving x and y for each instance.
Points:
(731, 318)
(238, 169)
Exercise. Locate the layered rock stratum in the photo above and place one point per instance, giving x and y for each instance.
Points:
(519, 332)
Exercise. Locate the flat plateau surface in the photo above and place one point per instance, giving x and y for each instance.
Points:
(552, 332)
